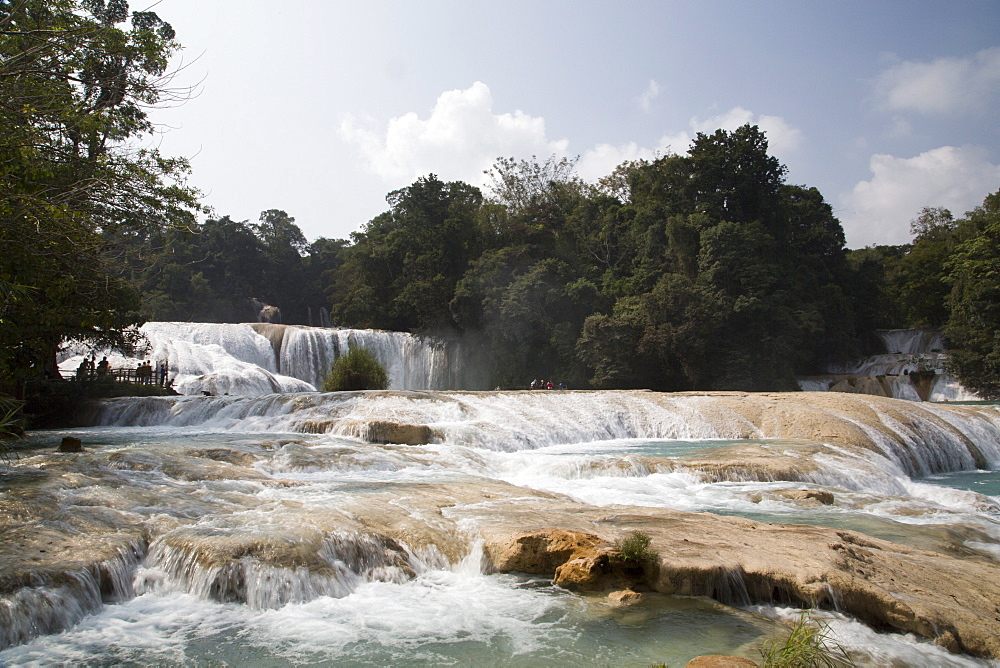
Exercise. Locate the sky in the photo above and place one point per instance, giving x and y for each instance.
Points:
(322, 107)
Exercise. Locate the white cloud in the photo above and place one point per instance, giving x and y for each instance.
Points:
(879, 211)
(943, 86)
(459, 140)
(601, 160)
(783, 140)
(462, 138)
(651, 93)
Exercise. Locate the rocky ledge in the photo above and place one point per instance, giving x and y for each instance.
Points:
(953, 601)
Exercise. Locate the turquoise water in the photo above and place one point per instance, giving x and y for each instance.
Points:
(453, 616)
(983, 482)
(649, 448)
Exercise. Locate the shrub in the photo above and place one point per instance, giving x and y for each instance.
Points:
(633, 550)
(356, 370)
(11, 425)
(807, 644)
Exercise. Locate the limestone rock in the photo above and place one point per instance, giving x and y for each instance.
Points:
(394, 432)
(582, 572)
(624, 598)
(71, 444)
(542, 552)
(720, 661)
(739, 561)
(825, 498)
(949, 595)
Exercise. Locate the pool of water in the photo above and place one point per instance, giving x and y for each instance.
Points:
(459, 615)
(982, 482)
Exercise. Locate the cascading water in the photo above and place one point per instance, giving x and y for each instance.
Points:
(264, 358)
(272, 529)
(413, 363)
(915, 368)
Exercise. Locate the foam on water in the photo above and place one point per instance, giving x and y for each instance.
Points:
(868, 648)
(601, 448)
(261, 358)
(441, 616)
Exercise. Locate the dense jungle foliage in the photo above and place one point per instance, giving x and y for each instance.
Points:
(697, 271)
(702, 271)
(76, 79)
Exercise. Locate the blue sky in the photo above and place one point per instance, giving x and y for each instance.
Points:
(322, 108)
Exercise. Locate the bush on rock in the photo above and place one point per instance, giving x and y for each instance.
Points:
(356, 370)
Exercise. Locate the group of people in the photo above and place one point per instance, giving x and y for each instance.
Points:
(89, 367)
(145, 374)
(547, 385)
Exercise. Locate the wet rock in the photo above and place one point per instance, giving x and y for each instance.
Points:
(71, 444)
(226, 455)
(738, 562)
(584, 573)
(720, 661)
(394, 432)
(754, 461)
(820, 496)
(374, 431)
(624, 598)
(542, 552)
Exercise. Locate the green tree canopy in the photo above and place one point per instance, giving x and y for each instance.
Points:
(75, 86)
(402, 269)
(973, 327)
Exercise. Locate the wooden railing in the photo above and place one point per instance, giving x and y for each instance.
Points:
(122, 376)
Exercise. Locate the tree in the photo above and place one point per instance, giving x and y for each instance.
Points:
(357, 369)
(722, 275)
(916, 284)
(282, 275)
(932, 222)
(733, 178)
(402, 270)
(74, 90)
(518, 184)
(973, 328)
(207, 272)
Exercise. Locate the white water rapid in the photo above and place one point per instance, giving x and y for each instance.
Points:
(914, 368)
(262, 358)
(279, 530)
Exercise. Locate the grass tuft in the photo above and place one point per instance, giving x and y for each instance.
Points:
(11, 426)
(808, 645)
(633, 550)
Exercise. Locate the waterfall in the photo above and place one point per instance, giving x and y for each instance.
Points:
(343, 560)
(213, 528)
(413, 363)
(55, 603)
(912, 341)
(263, 358)
(913, 368)
(920, 439)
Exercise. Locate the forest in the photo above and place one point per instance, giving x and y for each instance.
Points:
(702, 271)
(705, 270)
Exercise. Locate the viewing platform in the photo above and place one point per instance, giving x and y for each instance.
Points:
(123, 375)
